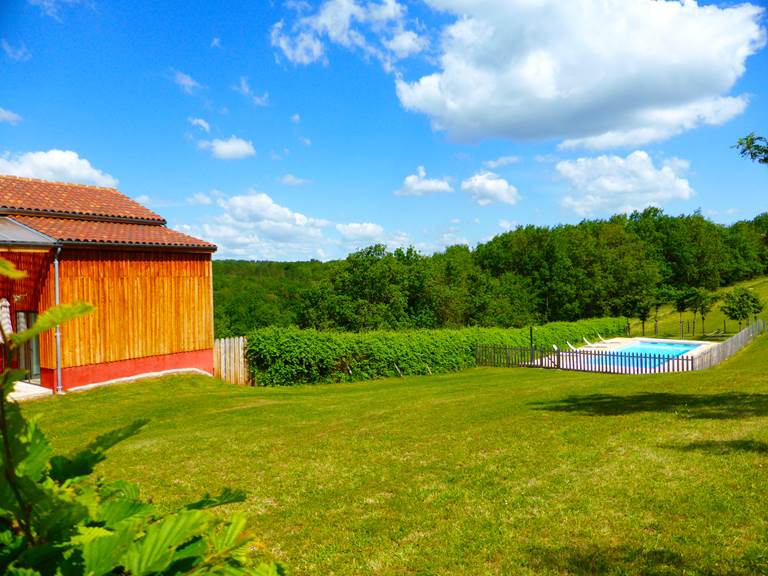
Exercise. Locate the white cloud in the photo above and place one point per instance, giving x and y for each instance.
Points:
(244, 88)
(507, 225)
(254, 226)
(185, 82)
(295, 118)
(303, 48)
(365, 231)
(58, 165)
(502, 161)
(291, 180)
(10, 117)
(200, 123)
(233, 148)
(608, 184)
(376, 29)
(20, 54)
(596, 74)
(419, 185)
(306, 141)
(52, 8)
(487, 187)
(143, 199)
(216, 42)
(199, 199)
(406, 43)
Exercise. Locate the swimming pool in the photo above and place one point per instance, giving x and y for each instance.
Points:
(639, 357)
(665, 349)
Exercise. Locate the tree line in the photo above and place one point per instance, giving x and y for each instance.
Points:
(627, 265)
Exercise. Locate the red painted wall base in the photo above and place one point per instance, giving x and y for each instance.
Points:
(97, 373)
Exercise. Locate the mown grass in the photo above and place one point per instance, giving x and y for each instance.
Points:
(669, 318)
(489, 471)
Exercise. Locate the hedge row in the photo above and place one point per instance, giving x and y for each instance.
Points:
(286, 356)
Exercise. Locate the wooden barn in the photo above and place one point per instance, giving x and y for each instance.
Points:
(151, 285)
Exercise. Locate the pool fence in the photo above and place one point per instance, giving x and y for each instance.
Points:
(614, 361)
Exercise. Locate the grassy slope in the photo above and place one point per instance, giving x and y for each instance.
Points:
(669, 319)
(490, 471)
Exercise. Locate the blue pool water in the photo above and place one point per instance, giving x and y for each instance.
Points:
(641, 357)
(665, 349)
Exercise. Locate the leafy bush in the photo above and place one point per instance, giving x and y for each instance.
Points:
(55, 521)
(286, 356)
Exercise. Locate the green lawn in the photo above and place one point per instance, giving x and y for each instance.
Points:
(669, 318)
(489, 471)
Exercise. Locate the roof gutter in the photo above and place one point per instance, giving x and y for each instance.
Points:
(177, 247)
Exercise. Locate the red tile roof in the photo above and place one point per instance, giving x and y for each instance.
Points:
(118, 233)
(30, 196)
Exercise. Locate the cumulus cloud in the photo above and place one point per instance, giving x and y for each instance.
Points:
(244, 88)
(233, 148)
(200, 123)
(295, 118)
(376, 29)
(507, 225)
(10, 117)
(609, 184)
(199, 199)
(305, 141)
(406, 43)
(419, 185)
(364, 231)
(58, 165)
(487, 187)
(254, 226)
(533, 70)
(17, 54)
(291, 180)
(502, 161)
(216, 42)
(185, 82)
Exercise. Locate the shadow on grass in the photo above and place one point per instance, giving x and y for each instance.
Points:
(713, 406)
(625, 560)
(723, 446)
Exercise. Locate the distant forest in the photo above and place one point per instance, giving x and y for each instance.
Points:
(533, 274)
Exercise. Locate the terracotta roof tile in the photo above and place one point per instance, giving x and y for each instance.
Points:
(30, 196)
(119, 233)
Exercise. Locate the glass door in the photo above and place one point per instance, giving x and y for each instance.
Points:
(29, 354)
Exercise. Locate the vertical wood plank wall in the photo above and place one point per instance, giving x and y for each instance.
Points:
(147, 304)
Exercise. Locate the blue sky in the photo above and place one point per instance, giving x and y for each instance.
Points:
(296, 130)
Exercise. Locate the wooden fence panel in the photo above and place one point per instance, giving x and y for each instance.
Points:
(229, 362)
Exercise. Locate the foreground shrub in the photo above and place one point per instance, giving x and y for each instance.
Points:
(285, 356)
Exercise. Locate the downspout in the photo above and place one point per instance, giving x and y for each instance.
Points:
(59, 387)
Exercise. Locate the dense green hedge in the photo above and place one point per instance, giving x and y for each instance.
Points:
(286, 356)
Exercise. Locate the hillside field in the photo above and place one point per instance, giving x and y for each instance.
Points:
(487, 471)
(669, 319)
